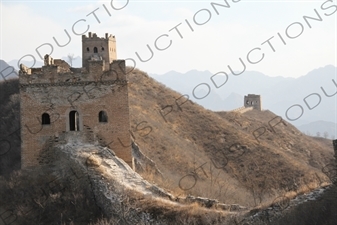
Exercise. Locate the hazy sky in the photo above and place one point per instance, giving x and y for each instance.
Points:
(221, 35)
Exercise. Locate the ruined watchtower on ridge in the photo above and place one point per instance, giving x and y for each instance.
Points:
(61, 104)
(253, 101)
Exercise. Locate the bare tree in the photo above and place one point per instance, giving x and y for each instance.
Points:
(70, 58)
(333, 137)
(325, 135)
(318, 134)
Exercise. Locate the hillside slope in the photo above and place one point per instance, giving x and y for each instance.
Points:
(87, 183)
(247, 159)
(217, 154)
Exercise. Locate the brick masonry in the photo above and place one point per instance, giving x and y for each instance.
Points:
(56, 89)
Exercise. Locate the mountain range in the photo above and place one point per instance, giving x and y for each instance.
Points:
(310, 98)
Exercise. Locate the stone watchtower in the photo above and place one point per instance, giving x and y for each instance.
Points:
(253, 101)
(60, 104)
(96, 48)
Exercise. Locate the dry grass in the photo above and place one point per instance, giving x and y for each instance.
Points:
(44, 196)
(10, 157)
(190, 136)
(320, 212)
(218, 149)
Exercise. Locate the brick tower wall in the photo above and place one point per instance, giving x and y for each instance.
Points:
(57, 93)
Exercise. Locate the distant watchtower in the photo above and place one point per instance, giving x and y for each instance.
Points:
(253, 101)
(96, 48)
(61, 104)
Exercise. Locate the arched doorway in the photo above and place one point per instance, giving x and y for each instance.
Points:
(74, 121)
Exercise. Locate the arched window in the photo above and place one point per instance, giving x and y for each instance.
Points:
(88, 49)
(102, 48)
(95, 50)
(74, 121)
(45, 119)
(102, 117)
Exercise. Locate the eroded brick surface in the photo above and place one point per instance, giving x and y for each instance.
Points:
(54, 93)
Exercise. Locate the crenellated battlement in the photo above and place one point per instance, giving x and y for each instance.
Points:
(53, 74)
(93, 36)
